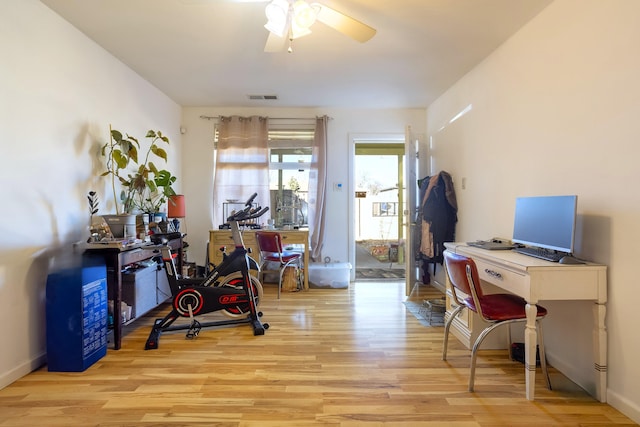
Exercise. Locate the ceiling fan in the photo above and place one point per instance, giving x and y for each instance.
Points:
(292, 19)
(288, 20)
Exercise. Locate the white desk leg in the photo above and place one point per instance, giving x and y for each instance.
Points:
(530, 346)
(600, 351)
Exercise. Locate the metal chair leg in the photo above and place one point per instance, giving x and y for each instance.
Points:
(447, 326)
(282, 268)
(476, 346)
(474, 351)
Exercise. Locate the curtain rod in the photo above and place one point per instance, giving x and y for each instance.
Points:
(270, 118)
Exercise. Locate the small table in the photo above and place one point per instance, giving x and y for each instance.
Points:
(116, 258)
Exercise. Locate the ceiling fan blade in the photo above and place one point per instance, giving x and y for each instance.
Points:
(345, 24)
(205, 2)
(275, 43)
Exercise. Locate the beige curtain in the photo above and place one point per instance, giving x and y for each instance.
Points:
(241, 162)
(317, 188)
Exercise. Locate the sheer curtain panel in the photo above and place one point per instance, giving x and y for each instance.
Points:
(241, 162)
(317, 188)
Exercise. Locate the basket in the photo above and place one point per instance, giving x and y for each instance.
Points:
(290, 280)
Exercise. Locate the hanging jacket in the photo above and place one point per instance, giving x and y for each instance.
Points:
(439, 215)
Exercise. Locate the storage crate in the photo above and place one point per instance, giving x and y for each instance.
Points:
(139, 290)
(330, 275)
(76, 313)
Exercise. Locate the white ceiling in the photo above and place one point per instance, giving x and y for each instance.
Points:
(210, 52)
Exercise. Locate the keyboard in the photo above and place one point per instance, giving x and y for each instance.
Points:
(544, 254)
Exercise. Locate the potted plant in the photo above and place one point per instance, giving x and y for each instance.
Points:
(146, 189)
(157, 192)
(119, 153)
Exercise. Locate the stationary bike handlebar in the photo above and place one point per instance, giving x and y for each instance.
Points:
(250, 201)
(248, 213)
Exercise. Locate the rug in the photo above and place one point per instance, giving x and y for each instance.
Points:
(424, 315)
(379, 273)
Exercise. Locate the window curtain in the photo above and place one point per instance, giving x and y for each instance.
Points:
(317, 188)
(241, 162)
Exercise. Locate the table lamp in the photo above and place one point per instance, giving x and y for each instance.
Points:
(176, 209)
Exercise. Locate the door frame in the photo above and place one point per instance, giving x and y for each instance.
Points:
(354, 139)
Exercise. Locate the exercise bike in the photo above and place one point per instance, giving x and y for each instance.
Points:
(229, 287)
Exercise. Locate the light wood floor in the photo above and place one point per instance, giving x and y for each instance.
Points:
(332, 357)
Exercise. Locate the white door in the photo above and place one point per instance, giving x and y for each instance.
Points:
(412, 229)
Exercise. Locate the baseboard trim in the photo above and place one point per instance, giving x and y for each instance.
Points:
(628, 408)
(20, 371)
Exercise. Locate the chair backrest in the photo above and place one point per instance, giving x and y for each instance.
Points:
(464, 279)
(269, 241)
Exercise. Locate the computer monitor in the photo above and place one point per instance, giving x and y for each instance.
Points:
(546, 222)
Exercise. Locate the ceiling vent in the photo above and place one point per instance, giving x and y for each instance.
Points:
(264, 97)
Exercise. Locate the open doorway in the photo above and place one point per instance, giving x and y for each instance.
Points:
(379, 228)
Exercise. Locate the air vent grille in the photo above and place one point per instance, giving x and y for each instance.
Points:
(264, 97)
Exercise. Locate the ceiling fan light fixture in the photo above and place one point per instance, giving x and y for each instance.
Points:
(277, 13)
(297, 31)
(276, 28)
(292, 19)
(304, 15)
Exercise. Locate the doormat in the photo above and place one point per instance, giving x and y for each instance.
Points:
(379, 273)
(425, 316)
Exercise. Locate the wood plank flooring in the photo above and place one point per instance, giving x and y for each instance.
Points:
(331, 357)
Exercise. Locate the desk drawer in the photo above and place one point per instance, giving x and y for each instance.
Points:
(509, 280)
(134, 255)
(224, 238)
(218, 238)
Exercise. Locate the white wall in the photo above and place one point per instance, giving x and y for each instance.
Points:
(198, 163)
(555, 111)
(59, 92)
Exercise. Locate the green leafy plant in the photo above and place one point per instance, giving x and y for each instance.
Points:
(146, 189)
(159, 191)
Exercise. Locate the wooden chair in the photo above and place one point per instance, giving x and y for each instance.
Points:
(271, 250)
(495, 309)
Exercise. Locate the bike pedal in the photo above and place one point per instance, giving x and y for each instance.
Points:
(194, 330)
(192, 333)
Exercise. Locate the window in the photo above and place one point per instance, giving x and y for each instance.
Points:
(385, 209)
(290, 150)
(289, 165)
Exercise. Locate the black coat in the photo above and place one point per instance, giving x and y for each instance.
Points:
(440, 211)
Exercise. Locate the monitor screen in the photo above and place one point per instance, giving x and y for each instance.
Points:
(546, 222)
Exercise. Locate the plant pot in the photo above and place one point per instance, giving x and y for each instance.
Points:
(122, 226)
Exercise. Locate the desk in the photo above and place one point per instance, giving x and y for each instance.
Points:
(218, 238)
(116, 258)
(536, 280)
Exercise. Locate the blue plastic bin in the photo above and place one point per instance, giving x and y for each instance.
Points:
(76, 306)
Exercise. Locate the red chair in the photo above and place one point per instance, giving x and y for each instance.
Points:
(495, 309)
(271, 250)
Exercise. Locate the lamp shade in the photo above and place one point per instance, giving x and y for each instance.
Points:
(277, 16)
(176, 207)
